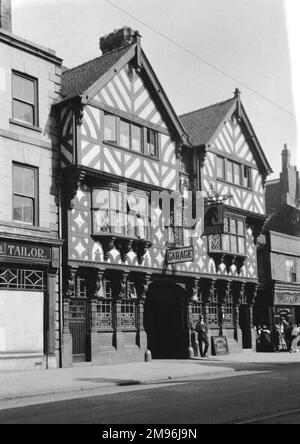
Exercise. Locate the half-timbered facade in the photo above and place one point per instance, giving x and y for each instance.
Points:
(229, 164)
(136, 279)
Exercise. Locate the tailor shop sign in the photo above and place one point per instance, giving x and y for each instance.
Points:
(287, 298)
(20, 250)
(179, 255)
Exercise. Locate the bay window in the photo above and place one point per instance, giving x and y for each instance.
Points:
(116, 213)
(233, 240)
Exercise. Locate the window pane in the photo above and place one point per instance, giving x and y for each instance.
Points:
(23, 209)
(233, 243)
(241, 227)
(28, 182)
(226, 243)
(23, 112)
(151, 143)
(101, 199)
(101, 221)
(237, 173)
(124, 134)
(221, 167)
(226, 225)
(247, 177)
(110, 128)
(233, 227)
(136, 138)
(229, 171)
(23, 181)
(23, 89)
(242, 247)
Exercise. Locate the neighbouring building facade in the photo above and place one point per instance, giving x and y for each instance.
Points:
(279, 250)
(135, 279)
(30, 78)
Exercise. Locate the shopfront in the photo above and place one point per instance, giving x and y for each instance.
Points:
(29, 304)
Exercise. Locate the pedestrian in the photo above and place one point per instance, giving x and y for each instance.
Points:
(202, 330)
(288, 336)
(295, 339)
(266, 340)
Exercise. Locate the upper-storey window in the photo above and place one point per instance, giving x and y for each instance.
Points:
(152, 144)
(24, 99)
(115, 212)
(24, 194)
(234, 172)
(130, 135)
(234, 238)
(291, 273)
(110, 128)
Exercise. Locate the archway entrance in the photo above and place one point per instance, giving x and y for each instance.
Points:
(165, 321)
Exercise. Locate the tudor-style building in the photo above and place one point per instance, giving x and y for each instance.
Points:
(30, 77)
(229, 164)
(123, 292)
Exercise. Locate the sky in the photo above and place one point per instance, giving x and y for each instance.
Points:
(201, 50)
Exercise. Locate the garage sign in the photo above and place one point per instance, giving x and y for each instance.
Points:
(179, 255)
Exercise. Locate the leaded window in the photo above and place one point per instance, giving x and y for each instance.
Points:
(213, 315)
(233, 240)
(14, 278)
(119, 213)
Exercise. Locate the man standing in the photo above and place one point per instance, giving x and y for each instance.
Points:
(202, 330)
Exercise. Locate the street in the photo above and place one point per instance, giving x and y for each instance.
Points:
(256, 393)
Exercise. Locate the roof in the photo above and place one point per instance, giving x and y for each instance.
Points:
(286, 221)
(202, 124)
(77, 80)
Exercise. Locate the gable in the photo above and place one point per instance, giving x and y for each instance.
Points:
(231, 140)
(127, 92)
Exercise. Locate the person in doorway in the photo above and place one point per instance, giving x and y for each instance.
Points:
(202, 330)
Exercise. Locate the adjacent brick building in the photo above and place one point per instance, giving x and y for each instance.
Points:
(279, 250)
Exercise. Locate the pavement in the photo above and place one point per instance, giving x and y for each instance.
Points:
(83, 378)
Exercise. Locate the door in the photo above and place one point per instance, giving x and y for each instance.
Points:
(245, 326)
(165, 321)
(79, 328)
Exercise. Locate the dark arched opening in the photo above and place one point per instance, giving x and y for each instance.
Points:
(165, 321)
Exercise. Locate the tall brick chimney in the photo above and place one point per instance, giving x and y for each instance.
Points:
(117, 39)
(5, 15)
(289, 178)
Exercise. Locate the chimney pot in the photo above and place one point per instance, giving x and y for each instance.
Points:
(117, 39)
(5, 15)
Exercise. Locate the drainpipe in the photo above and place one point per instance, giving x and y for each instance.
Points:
(60, 182)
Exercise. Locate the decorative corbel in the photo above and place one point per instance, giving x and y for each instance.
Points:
(252, 294)
(140, 247)
(239, 262)
(202, 155)
(229, 260)
(98, 284)
(78, 110)
(193, 290)
(123, 246)
(107, 243)
(73, 182)
(219, 259)
(70, 282)
(142, 285)
(122, 287)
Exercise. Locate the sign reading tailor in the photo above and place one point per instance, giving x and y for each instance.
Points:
(213, 219)
(178, 255)
(21, 250)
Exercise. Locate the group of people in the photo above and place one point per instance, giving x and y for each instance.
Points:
(285, 337)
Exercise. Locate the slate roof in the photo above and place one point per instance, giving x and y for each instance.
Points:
(286, 221)
(77, 80)
(202, 124)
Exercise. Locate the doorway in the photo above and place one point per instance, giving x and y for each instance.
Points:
(245, 326)
(79, 328)
(165, 321)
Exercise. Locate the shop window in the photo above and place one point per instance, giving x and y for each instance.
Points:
(22, 279)
(105, 313)
(291, 273)
(212, 315)
(228, 315)
(115, 212)
(24, 99)
(24, 194)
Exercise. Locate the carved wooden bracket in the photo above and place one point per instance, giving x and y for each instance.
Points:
(107, 242)
(239, 262)
(98, 285)
(142, 285)
(252, 290)
(193, 290)
(121, 287)
(209, 287)
(218, 259)
(70, 282)
(73, 182)
(78, 110)
(123, 245)
(140, 247)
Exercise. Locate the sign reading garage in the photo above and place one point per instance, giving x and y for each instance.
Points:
(11, 249)
(178, 255)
